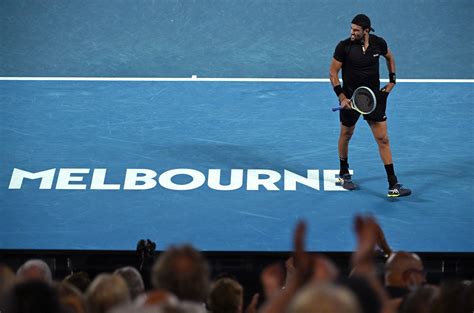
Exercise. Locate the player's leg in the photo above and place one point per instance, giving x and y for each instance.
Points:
(345, 136)
(380, 132)
(348, 120)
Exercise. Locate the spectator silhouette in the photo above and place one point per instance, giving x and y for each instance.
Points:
(35, 269)
(80, 280)
(403, 271)
(134, 280)
(225, 296)
(106, 292)
(32, 296)
(183, 271)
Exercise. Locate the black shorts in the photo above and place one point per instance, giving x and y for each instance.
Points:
(349, 118)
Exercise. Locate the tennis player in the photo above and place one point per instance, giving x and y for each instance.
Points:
(358, 57)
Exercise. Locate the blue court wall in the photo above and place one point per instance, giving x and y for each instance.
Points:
(227, 38)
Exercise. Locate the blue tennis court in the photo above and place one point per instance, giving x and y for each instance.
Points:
(202, 125)
(106, 139)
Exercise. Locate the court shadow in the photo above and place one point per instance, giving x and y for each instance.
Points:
(228, 156)
(424, 182)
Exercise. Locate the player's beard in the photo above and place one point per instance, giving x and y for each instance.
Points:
(356, 38)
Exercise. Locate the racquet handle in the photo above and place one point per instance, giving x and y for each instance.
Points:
(336, 109)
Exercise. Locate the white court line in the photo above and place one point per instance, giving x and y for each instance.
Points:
(198, 79)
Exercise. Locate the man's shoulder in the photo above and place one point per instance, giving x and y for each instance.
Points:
(377, 39)
(345, 42)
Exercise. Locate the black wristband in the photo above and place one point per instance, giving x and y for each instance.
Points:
(338, 90)
(392, 78)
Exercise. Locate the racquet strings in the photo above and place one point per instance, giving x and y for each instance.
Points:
(364, 101)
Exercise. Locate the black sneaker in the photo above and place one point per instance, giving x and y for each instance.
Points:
(345, 181)
(398, 191)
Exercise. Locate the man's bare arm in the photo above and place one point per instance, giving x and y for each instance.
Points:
(390, 60)
(334, 69)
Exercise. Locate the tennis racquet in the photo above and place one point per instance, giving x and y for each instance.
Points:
(363, 101)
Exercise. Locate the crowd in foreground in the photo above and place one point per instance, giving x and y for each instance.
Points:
(309, 283)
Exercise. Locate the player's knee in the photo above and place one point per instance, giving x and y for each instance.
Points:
(383, 140)
(347, 135)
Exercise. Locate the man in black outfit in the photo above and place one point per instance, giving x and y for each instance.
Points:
(358, 57)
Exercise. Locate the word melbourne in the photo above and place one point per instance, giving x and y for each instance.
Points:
(174, 179)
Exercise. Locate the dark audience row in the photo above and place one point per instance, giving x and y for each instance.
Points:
(309, 283)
